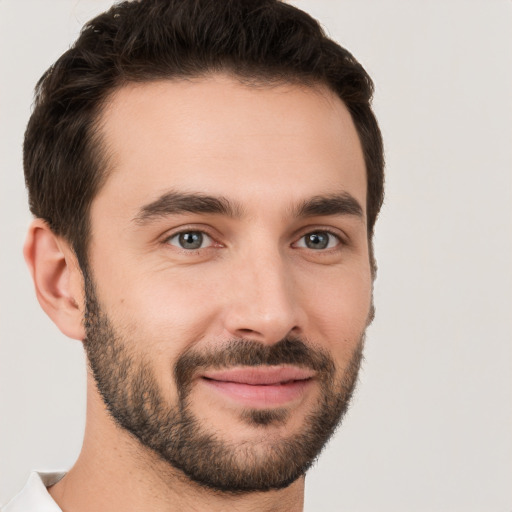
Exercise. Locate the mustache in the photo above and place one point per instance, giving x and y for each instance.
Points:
(242, 352)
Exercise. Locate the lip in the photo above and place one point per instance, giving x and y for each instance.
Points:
(260, 387)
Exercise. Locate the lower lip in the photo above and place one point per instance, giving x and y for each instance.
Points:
(260, 396)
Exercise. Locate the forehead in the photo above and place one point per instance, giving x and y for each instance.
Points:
(218, 136)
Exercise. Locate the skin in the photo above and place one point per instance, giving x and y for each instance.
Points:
(266, 150)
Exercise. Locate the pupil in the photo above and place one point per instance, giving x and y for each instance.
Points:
(192, 240)
(317, 241)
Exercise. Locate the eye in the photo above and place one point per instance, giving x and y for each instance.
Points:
(190, 240)
(318, 240)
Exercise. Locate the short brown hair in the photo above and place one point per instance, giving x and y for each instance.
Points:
(266, 41)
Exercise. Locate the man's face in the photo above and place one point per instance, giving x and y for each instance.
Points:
(230, 282)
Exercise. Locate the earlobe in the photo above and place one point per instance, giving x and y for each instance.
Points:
(57, 278)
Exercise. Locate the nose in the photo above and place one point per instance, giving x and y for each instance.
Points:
(264, 303)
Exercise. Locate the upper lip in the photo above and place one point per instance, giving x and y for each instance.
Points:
(260, 375)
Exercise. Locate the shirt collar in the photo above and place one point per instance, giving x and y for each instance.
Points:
(34, 497)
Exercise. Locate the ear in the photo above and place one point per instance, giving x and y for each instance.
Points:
(57, 278)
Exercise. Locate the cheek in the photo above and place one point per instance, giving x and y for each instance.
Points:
(339, 309)
(160, 313)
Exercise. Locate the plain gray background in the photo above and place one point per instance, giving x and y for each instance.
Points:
(430, 428)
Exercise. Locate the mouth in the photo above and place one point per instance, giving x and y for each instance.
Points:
(260, 387)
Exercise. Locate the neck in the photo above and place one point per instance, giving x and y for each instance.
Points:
(115, 472)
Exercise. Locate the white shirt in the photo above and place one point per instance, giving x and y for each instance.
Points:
(34, 497)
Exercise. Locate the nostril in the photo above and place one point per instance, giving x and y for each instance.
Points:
(245, 331)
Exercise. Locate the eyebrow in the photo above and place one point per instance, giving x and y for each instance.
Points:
(332, 204)
(173, 203)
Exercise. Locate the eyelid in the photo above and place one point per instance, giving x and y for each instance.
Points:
(339, 241)
(206, 239)
(194, 228)
(335, 232)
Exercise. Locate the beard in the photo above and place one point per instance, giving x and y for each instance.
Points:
(130, 391)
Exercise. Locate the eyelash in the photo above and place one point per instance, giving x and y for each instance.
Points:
(213, 242)
(202, 232)
(328, 232)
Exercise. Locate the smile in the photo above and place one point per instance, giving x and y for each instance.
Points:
(260, 387)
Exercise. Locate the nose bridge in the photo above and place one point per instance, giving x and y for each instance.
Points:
(264, 304)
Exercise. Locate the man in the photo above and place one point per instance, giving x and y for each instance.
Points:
(205, 177)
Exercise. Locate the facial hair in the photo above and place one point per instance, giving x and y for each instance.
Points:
(130, 391)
